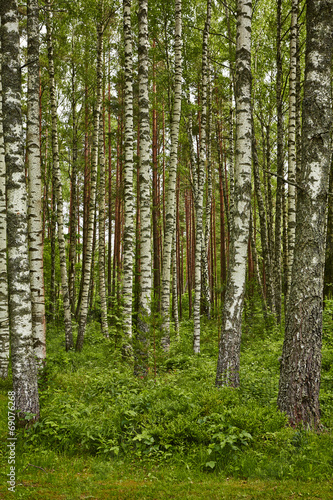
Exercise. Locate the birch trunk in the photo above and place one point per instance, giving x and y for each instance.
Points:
(141, 364)
(128, 174)
(35, 187)
(58, 186)
(301, 356)
(92, 201)
(200, 184)
(229, 349)
(170, 202)
(292, 143)
(101, 229)
(20, 317)
(4, 318)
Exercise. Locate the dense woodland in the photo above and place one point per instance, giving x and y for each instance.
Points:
(166, 165)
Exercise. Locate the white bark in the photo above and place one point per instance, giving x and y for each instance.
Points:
(23, 359)
(128, 174)
(200, 185)
(4, 318)
(229, 349)
(171, 193)
(145, 182)
(35, 187)
(292, 142)
(58, 185)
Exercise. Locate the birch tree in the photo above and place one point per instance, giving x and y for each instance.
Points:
(128, 173)
(200, 184)
(35, 186)
(58, 185)
(4, 318)
(229, 349)
(301, 356)
(145, 229)
(24, 367)
(170, 225)
(91, 212)
(292, 142)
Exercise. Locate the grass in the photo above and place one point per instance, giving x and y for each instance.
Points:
(105, 434)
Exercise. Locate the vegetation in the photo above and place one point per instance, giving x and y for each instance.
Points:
(122, 436)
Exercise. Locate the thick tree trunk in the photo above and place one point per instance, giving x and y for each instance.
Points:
(229, 348)
(141, 363)
(170, 224)
(4, 318)
(58, 185)
(301, 356)
(24, 367)
(128, 174)
(35, 187)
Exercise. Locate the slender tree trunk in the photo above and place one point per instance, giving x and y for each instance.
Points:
(200, 184)
(73, 216)
(170, 225)
(24, 367)
(88, 269)
(35, 187)
(301, 356)
(292, 143)
(128, 174)
(279, 161)
(58, 185)
(101, 229)
(141, 364)
(4, 318)
(229, 348)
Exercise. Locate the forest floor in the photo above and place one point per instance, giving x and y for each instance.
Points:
(104, 433)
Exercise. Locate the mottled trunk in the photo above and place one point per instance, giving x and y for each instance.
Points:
(170, 202)
(101, 231)
(58, 185)
(141, 362)
(279, 162)
(24, 369)
(92, 202)
(292, 144)
(200, 186)
(229, 348)
(301, 356)
(35, 187)
(4, 318)
(128, 174)
(73, 214)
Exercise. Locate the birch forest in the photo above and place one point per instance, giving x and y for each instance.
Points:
(166, 244)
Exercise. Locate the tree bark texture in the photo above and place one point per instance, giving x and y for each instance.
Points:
(35, 187)
(229, 349)
(58, 186)
(301, 356)
(24, 367)
(170, 223)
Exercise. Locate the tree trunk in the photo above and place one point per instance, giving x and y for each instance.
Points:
(200, 185)
(141, 362)
(24, 368)
(229, 348)
(92, 209)
(170, 224)
(4, 318)
(35, 187)
(301, 356)
(292, 144)
(58, 185)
